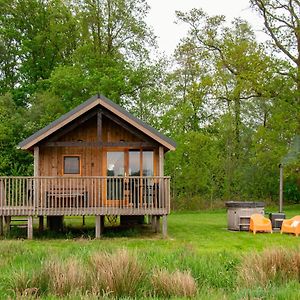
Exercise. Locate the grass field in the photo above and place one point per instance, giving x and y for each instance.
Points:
(198, 242)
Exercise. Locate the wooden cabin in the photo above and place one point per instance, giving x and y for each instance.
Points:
(97, 159)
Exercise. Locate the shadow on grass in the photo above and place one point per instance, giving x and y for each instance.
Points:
(84, 232)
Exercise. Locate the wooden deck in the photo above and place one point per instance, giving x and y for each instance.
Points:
(72, 196)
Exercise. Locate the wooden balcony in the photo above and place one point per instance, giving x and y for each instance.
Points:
(57, 196)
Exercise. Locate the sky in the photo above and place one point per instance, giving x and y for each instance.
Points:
(162, 16)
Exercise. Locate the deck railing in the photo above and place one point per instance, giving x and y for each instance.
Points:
(84, 195)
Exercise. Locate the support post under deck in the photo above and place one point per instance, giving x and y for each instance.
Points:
(157, 224)
(164, 226)
(1, 226)
(30, 228)
(7, 221)
(41, 223)
(99, 226)
(153, 223)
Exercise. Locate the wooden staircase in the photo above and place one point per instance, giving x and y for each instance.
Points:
(11, 222)
(18, 223)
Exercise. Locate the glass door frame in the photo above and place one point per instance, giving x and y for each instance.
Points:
(126, 196)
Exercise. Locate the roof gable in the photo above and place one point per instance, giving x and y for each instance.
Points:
(85, 107)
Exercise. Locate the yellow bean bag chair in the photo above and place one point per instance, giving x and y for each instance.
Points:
(291, 225)
(259, 223)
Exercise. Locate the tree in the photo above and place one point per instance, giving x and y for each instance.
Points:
(112, 57)
(189, 86)
(13, 161)
(239, 72)
(35, 37)
(282, 24)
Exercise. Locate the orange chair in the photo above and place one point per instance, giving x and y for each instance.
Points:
(259, 223)
(291, 225)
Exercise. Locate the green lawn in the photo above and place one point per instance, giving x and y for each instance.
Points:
(198, 241)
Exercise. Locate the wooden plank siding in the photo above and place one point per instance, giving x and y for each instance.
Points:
(51, 158)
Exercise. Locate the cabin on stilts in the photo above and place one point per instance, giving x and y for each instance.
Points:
(96, 160)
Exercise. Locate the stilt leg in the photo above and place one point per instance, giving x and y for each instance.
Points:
(30, 228)
(164, 226)
(99, 226)
(41, 223)
(55, 223)
(153, 223)
(157, 225)
(7, 224)
(1, 226)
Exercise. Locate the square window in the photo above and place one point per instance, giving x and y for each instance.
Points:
(71, 165)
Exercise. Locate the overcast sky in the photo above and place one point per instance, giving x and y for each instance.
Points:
(162, 16)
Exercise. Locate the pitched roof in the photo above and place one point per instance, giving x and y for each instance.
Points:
(88, 105)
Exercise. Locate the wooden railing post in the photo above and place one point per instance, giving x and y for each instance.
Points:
(161, 174)
(36, 180)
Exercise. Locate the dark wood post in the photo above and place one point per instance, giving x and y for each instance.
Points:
(157, 224)
(41, 223)
(55, 223)
(153, 223)
(1, 225)
(281, 188)
(36, 173)
(7, 221)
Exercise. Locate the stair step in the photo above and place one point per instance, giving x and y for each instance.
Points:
(18, 226)
(18, 223)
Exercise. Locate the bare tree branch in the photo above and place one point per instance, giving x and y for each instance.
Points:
(260, 4)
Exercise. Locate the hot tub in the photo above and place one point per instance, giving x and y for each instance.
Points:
(238, 214)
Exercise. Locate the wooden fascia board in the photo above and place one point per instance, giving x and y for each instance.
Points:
(136, 125)
(61, 124)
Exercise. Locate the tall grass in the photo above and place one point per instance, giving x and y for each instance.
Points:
(116, 275)
(180, 284)
(270, 266)
(119, 274)
(65, 278)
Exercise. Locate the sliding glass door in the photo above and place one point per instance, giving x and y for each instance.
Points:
(125, 171)
(115, 167)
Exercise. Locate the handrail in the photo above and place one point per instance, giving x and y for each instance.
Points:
(84, 177)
